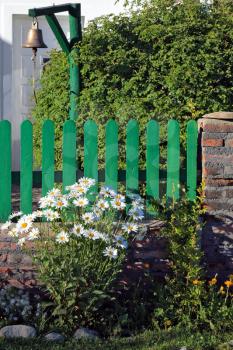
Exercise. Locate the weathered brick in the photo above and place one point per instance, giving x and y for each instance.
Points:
(214, 193)
(14, 258)
(5, 245)
(30, 283)
(212, 171)
(211, 135)
(228, 170)
(212, 143)
(154, 254)
(5, 269)
(219, 182)
(229, 143)
(218, 205)
(3, 257)
(15, 283)
(215, 125)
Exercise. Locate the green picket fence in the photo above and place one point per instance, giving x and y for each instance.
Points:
(112, 176)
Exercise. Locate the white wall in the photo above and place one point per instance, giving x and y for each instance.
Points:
(90, 9)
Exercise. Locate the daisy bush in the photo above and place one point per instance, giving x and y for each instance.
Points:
(80, 242)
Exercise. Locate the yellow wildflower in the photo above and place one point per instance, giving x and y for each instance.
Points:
(196, 282)
(213, 281)
(228, 283)
(221, 290)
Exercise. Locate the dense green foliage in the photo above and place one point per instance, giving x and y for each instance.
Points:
(187, 298)
(166, 340)
(162, 61)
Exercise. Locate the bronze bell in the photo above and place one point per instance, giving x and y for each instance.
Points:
(34, 38)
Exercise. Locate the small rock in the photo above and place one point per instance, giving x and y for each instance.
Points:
(86, 333)
(230, 343)
(183, 348)
(56, 337)
(18, 331)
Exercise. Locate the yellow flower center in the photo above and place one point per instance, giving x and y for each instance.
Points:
(59, 204)
(24, 225)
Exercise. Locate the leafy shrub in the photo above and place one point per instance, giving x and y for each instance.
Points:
(162, 61)
(80, 251)
(187, 299)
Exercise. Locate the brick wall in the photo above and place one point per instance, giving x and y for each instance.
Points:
(216, 150)
(15, 267)
(147, 252)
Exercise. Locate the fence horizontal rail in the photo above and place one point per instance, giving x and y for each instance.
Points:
(171, 177)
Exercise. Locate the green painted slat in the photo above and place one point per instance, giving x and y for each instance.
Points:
(173, 160)
(192, 139)
(132, 155)
(152, 161)
(5, 169)
(69, 153)
(47, 156)
(91, 151)
(111, 155)
(26, 167)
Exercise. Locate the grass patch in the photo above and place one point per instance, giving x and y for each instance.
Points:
(166, 340)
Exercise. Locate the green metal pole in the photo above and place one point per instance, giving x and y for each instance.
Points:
(75, 37)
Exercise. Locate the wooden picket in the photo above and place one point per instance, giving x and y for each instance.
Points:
(91, 151)
(5, 169)
(69, 153)
(132, 156)
(192, 137)
(26, 167)
(152, 176)
(173, 160)
(152, 161)
(47, 156)
(111, 155)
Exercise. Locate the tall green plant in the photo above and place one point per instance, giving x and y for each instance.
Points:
(187, 298)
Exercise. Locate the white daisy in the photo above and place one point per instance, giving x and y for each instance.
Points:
(121, 242)
(21, 241)
(107, 192)
(33, 234)
(87, 182)
(136, 214)
(88, 217)
(110, 252)
(15, 215)
(13, 232)
(102, 204)
(62, 237)
(81, 202)
(6, 225)
(37, 214)
(77, 190)
(46, 202)
(55, 192)
(97, 213)
(51, 215)
(61, 203)
(78, 230)
(92, 234)
(24, 224)
(118, 204)
(130, 227)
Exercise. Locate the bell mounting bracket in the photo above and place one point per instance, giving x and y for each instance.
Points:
(66, 45)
